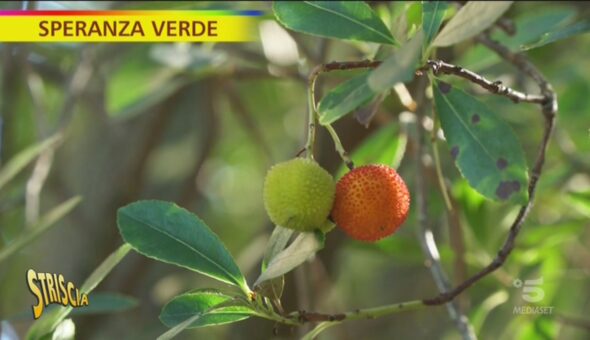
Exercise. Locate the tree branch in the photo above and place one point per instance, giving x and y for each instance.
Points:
(439, 66)
(549, 110)
(548, 102)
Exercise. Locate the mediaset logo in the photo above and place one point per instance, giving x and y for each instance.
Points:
(532, 292)
(52, 288)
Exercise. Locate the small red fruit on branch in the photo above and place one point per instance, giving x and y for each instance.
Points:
(371, 202)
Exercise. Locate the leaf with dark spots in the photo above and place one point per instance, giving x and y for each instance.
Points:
(444, 87)
(487, 153)
(454, 152)
(507, 188)
(501, 163)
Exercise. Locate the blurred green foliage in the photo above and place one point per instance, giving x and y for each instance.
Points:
(200, 124)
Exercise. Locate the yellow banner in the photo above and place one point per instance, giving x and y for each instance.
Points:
(128, 26)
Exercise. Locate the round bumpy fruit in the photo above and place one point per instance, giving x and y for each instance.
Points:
(371, 202)
(298, 194)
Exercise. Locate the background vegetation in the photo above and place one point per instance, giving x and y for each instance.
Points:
(200, 124)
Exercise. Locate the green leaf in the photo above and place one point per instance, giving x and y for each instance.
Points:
(399, 67)
(278, 241)
(200, 302)
(433, 13)
(302, 248)
(106, 302)
(23, 158)
(353, 20)
(45, 223)
(560, 34)
(484, 147)
(279, 238)
(47, 323)
(529, 27)
(171, 234)
(345, 98)
(385, 146)
(470, 20)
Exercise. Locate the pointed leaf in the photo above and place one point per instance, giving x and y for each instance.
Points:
(171, 234)
(201, 302)
(470, 20)
(399, 67)
(278, 241)
(23, 158)
(562, 33)
(350, 20)
(304, 247)
(433, 13)
(344, 98)
(45, 223)
(484, 147)
(47, 323)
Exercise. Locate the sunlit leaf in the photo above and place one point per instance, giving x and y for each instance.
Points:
(278, 241)
(350, 20)
(302, 248)
(471, 20)
(484, 147)
(171, 234)
(66, 330)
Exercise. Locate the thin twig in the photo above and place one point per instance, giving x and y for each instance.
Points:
(358, 314)
(549, 110)
(439, 66)
(339, 148)
(548, 102)
(74, 90)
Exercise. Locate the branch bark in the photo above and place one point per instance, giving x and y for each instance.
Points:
(548, 102)
(549, 110)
